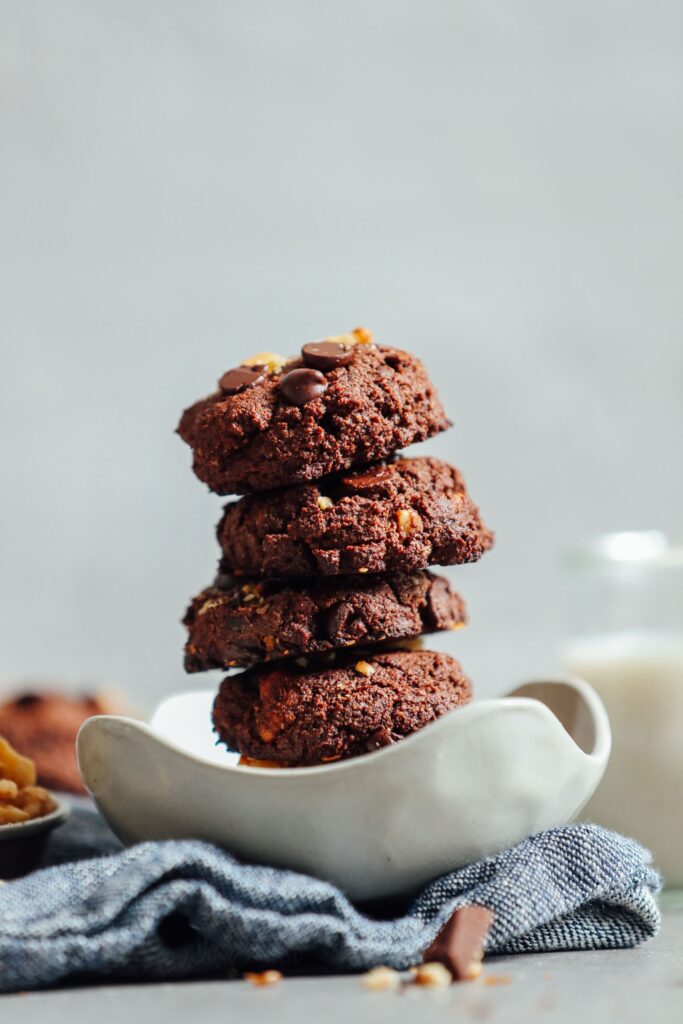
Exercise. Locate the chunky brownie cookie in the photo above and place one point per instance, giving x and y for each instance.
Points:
(254, 622)
(399, 517)
(44, 727)
(343, 403)
(302, 717)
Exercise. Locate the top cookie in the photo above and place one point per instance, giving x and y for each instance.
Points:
(407, 515)
(344, 403)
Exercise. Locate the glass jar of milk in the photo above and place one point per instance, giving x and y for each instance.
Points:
(627, 641)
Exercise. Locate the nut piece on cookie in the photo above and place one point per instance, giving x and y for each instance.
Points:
(20, 798)
(400, 517)
(242, 624)
(318, 715)
(344, 403)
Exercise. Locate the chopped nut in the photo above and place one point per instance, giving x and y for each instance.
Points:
(411, 643)
(364, 668)
(363, 569)
(408, 521)
(20, 798)
(262, 609)
(362, 335)
(8, 789)
(213, 602)
(301, 662)
(323, 502)
(496, 979)
(15, 767)
(263, 977)
(433, 975)
(249, 597)
(457, 625)
(271, 360)
(382, 979)
(269, 643)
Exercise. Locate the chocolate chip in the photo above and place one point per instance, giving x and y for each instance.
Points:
(381, 738)
(224, 580)
(241, 378)
(338, 623)
(460, 943)
(368, 480)
(439, 614)
(327, 355)
(303, 385)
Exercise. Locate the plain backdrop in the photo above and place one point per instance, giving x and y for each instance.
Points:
(495, 185)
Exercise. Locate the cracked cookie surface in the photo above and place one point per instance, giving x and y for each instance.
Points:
(272, 432)
(399, 517)
(243, 624)
(295, 716)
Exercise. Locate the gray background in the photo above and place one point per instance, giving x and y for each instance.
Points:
(495, 185)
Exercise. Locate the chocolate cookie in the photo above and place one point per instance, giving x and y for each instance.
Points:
(399, 517)
(344, 403)
(244, 624)
(295, 716)
(44, 726)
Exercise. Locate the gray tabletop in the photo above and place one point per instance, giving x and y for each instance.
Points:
(644, 984)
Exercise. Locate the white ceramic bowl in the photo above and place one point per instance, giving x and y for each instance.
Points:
(470, 784)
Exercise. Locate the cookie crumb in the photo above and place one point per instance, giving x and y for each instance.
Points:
(263, 978)
(432, 975)
(382, 979)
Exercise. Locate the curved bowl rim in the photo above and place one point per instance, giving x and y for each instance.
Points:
(507, 704)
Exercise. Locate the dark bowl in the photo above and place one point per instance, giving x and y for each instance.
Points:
(22, 844)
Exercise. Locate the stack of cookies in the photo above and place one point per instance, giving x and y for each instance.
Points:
(323, 590)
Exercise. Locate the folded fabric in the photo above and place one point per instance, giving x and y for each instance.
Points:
(185, 909)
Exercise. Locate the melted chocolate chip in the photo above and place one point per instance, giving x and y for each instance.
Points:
(303, 385)
(241, 378)
(224, 581)
(381, 738)
(327, 355)
(368, 481)
(438, 613)
(338, 623)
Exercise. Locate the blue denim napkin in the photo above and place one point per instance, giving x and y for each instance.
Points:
(185, 909)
